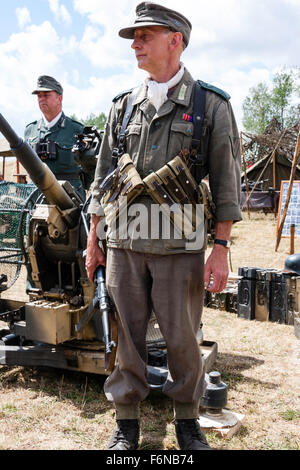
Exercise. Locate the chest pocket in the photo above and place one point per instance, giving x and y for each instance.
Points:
(133, 142)
(180, 137)
(132, 139)
(132, 130)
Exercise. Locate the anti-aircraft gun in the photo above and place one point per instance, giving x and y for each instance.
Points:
(60, 325)
(62, 292)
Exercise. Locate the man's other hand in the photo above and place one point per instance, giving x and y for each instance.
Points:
(216, 270)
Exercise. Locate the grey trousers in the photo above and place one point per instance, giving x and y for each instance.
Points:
(172, 287)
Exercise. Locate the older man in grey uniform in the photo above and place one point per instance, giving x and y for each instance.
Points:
(54, 135)
(163, 275)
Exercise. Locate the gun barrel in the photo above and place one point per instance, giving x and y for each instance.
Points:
(104, 305)
(40, 174)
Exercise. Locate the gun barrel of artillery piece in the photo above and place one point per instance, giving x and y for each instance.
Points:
(39, 172)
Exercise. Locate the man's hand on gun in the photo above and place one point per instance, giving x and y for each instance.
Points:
(94, 255)
(94, 263)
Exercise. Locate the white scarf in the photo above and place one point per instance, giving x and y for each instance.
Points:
(157, 92)
(53, 122)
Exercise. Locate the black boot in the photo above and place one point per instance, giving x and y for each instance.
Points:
(190, 436)
(126, 435)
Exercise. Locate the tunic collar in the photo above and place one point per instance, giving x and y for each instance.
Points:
(53, 122)
(58, 121)
(181, 95)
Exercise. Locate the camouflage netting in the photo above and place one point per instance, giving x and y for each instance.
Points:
(283, 141)
(15, 202)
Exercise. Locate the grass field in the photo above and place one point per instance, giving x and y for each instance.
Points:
(43, 408)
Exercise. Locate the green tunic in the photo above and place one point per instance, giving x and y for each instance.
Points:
(63, 133)
(154, 138)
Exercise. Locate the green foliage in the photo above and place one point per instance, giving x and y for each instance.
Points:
(277, 101)
(92, 120)
(281, 97)
(290, 415)
(257, 109)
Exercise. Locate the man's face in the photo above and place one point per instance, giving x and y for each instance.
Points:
(151, 46)
(50, 103)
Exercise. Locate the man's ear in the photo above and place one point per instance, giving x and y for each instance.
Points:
(176, 40)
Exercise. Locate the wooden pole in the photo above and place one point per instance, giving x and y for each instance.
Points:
(18, 171)
(274, 169)
(245, 174)
(292, 239)
(268, 161)
(289, 193)
(274, 179)
(260, 176)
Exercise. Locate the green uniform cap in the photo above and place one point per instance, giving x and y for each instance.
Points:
(46, 83)
(152, 14)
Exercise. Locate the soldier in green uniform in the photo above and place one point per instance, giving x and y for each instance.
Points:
(158, 273)
(54, 135)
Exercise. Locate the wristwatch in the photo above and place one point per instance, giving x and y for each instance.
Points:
(225, 243)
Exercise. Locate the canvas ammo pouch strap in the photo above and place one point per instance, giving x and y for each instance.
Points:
(123, 183)
(197, 162)
(176, 199)
(121, 189)
(175, 189)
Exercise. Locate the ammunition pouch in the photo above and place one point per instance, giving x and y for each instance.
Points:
(120, 188)
(172, 187)
(46, 150)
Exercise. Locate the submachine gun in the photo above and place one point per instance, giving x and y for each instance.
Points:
(68, 321)
(44, 330)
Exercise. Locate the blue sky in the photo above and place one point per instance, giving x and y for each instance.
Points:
(234, 45)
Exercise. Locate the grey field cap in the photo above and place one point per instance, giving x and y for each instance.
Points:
(152, 14)
(46, 83)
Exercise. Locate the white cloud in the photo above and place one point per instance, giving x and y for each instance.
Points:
(233, 45)
(23, 17)
(60, 12)
(97, 97)
(24, 57)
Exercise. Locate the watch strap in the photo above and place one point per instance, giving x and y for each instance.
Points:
(225, 243)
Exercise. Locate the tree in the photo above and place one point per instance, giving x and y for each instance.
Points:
(257, 109)
(92, 120)
(264, 103)
(281, 98)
